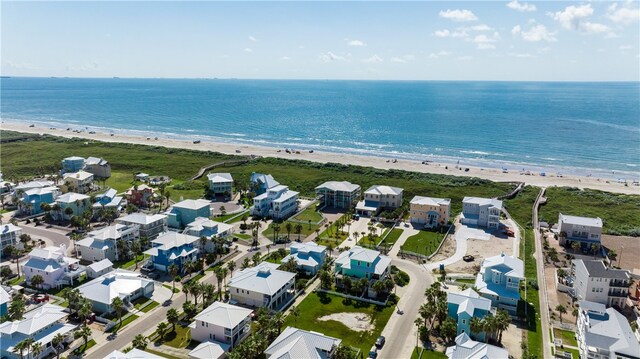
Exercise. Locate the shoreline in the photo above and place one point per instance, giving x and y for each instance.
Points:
(493, 174)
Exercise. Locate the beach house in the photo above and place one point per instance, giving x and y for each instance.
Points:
(499, 280)
(595, 282)
(222, 323)
(584, 230)
(481, 212)
(185, 212)
(277, 202)
(309, 256)
(259, 183)
(220, 184)
(119, 283)
(80, 182)
(377, 198)
(263, 286)
(5, 298)
(298, 343)
(360, 262)
(604, 333)
(72, 164)
(21, 187)
(465, 305)
(429, 212)
(78, 203)
(42, 325)
(53, 265)
(108, 200)
(150, 226)
(32, 199)
(337, 194)
(99, 167)
(97, 269)
(10, 236)
(140, 195)
(465, 348)
(103, 243)
(173, 248)
(205, 227)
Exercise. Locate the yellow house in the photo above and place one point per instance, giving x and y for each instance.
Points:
(430, 212)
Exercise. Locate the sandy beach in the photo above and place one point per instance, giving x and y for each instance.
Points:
(604, 184)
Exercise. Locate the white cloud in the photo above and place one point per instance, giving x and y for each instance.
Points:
(22, 65)
(483, 27)
(461, 34)
(442, 33)
(484, 42)
(524, 7)
(331, 57)
(357, 43)
(625, 47)
(403, 59)
(623, 15)
(285, 58)
(525, 55)
(576, 18)
(246, 49)
(464, 58)
(458, 15)
(375, 59)
(251, 38)
(486, 46)
(434, 55)
(536, 33)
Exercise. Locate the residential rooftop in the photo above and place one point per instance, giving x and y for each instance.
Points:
(295, 343)
(483, 201)
(192, 204)
(264, 278)
(342, 186)
(608, 329)
(384, 190)
(581, 221)
(71, 197)
(430, 201)
(141, 218)
(597, 269)
(220, 177)
(117, 283)
(466, 348)
(223, 315)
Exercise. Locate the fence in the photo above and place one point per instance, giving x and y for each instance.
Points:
(370, 301)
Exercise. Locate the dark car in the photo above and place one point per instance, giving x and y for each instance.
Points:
(380, 341)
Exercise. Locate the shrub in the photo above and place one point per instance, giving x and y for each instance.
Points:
(301, 283)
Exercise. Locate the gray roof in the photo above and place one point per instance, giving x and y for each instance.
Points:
(192, 204)
(96, 161)
(295, 343)
(34, 184)
(117, 283)
(468, 301)
(209, 350)
(42, 324)
(223, 315)
(597, 269)
(342, 186)
(611, 331)
(515, 264)
(71, 197)
(114, 231)
(141, 218)
(307, 247)
(431, 201)
(483, 201)
(80, 175)
(582, 221)
(170, 240)
(220, 177)
(380, 189)
(263, 278)
(268, 180)
(132, 354)
(466, 348)
(100, 265)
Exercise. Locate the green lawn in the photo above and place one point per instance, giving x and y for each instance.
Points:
(466, 281)
(425, 242)
(125, 322)
(17, 280)
(331, 235)
(170, 287)
(274, 257)
(309, 214)
(130, 263)
(567, 337)
(306, 230)
(246, 237)
(161, 354)
(619, 212)
(149, 307)
(140, 301)
(429, 354)
(81, 349)
(178, 339)
(393, 236)
(315, 306)
(120, 181)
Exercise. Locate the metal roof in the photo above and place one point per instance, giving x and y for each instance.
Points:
(224, 315)
(466, 348)
(117, 283)
(597, 269)
(209, 350)
(297, 343)
(263, 278)
(430, 201)
(483, 201)
(220, 177)
(582, 221)
(380, 189)
(342, 186)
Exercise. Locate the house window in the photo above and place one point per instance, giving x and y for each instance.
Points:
(464, 321)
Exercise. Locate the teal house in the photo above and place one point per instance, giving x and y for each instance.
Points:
(72, 164)
(465, 305)
(32, 199)
(79, 203)
(499, 281)
(360, 262)
(185, 212)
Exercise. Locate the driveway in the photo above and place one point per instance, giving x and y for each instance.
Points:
(53, 235)
(160, 293)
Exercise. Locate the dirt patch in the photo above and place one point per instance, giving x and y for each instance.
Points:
(628, 249)
(479, 249)
(359, 322)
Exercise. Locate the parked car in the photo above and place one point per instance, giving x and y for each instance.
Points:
(380, 341)
(373, 352)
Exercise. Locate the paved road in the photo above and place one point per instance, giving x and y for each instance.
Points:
(54, 235)
(542, 292)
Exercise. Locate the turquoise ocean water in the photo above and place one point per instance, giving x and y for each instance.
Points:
(577, 128)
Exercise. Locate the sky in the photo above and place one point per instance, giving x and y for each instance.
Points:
(477, 40)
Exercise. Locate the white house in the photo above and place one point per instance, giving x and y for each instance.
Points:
(466, 348)
(209, 350)
(222, 323)
(221, 184)
(42, 324)
(499, 280)
(53, 265)
(126, 285)
(278, 202)
(298, 343)
(95, 270)
(584, 230)
(205, 227)
(604, 333)
(481, 212)
(103, 243)
(80, 182)
(99, 167)
(132, 354)
(309, 256)
(262, 286)
(338, 194)
(150, 226)
(379, 197)
(10, 236)
(595, 282)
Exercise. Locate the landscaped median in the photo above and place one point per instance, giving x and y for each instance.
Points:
(357, 323)
(125, 321)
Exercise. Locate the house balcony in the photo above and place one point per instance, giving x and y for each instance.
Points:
(619, 283)
(618, 293)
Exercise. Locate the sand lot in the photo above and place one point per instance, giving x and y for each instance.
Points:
(359, 322)
(628, 249)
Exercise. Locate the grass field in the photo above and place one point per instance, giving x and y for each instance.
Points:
(83, 348)
(315, 306)
(331, 235)
(309, 214)
(125, 322)
(568, 337)
(393, 236)
(149, 307)
(425, 242)
(306, 230)
(178, 339)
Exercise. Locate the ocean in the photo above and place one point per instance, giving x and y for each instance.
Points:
(577, 128)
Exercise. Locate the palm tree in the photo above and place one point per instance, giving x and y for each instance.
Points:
(561, 309)
(330, 248)
(426, 312)
(295, 311)
(203, 242)
(502, 323)
(594, 249)
(136, 247)
(575, 245)
(256, 259)
(219, 277)
(246, 263)
(476, 325)
(612, 256)
(231, 266)
(37, 348)
(140, 342)
(15, 253)
(37, 281)
(56, 342)
(173, 272)
(288, 226)
(173, 317)
(23, 345)
(196, 290)
(162, 328)
(298, 230)
(355, 236)
(83, 332)
(118, 306)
